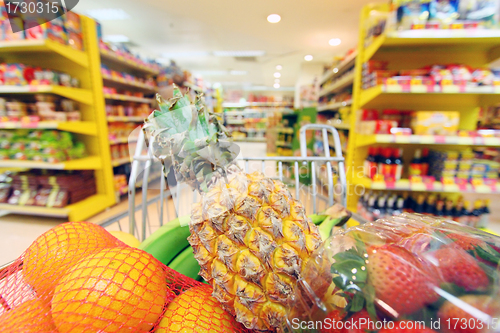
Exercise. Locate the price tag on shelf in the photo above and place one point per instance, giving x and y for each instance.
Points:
(427, 139)
(449, 184)
(393, 86)
(463, 140)
(417, 184)
(447, 86)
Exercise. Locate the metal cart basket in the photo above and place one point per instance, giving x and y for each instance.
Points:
(326, 174)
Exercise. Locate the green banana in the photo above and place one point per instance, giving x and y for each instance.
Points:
(168, 241)
(317, 218)
(186, 264)
(325, 228)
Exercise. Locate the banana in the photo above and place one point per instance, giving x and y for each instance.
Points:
(168, 241)
(317, 218)
(326, 227)
(186, 264)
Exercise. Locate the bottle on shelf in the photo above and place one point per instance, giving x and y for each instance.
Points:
(372, 206)
(458, 210)
(430, 205)
(390, 207)
(419, 204)
(485, 214)
(449, 209)
(385, 164)
(416, 164)
(477, 211)
(370, 165)
(425, 162)
(380, 209)
(439, 208)
(408, 203)
(400, 203)
(466, 213)
(397, 163)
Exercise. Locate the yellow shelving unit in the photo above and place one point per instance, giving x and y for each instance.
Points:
(92, 130)
(414, 49)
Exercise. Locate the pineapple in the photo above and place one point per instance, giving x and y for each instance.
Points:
(250, 237)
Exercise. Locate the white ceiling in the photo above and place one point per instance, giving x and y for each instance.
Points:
(159, 26)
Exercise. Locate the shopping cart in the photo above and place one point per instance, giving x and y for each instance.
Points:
(315, 197)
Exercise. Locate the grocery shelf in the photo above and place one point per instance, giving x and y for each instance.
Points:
(112, 57)
(86, 163)
(288, 130)
(406, 185)
(120, 161)
(134, 119)
(120, 97)
(368, 140)
(340, 84)
(111, 81)
(436, 40)
(333, 106)
(45, 46)
(76, 94)
(380, 96)
(340, 125)
(347, 63)
(246, 104)
(78, 211)
(81, 127)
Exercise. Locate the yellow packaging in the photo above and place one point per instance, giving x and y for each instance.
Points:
(435, 122)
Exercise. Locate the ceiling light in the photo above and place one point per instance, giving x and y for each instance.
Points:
(239, 53)
(108, 14)
(308, 57)
(279, 67)
(335, 70)
(185, 54)
(115, 39)
(273, 18)
(238, 72)
(277, 75)
(334, 41)
(276, 85)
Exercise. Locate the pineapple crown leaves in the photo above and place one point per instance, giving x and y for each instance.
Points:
(189, 138)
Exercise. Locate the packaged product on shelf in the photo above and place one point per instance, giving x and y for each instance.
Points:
(73, 22)
(435, 122)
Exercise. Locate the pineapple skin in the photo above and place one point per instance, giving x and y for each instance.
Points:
(252, 241)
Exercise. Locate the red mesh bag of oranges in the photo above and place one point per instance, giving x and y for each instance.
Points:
(77, 277)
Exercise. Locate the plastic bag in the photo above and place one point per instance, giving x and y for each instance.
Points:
(410, 270)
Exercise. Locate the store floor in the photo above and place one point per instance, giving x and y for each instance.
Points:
(17, 232)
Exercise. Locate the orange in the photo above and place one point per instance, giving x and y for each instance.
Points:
(29, 317)
(60, 248)
(114, 290)
(196, 311)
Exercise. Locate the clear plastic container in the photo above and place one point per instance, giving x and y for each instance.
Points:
(409, 270)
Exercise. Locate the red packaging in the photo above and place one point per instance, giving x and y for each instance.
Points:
(415, 72)
(75, 40)
(384, 126)
(73, 22)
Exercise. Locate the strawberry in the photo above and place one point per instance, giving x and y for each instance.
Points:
(330, 321)
(466, 242)
(459, 267)
(406, 326)
(454, 319)
(402, 284)
(359, 322)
